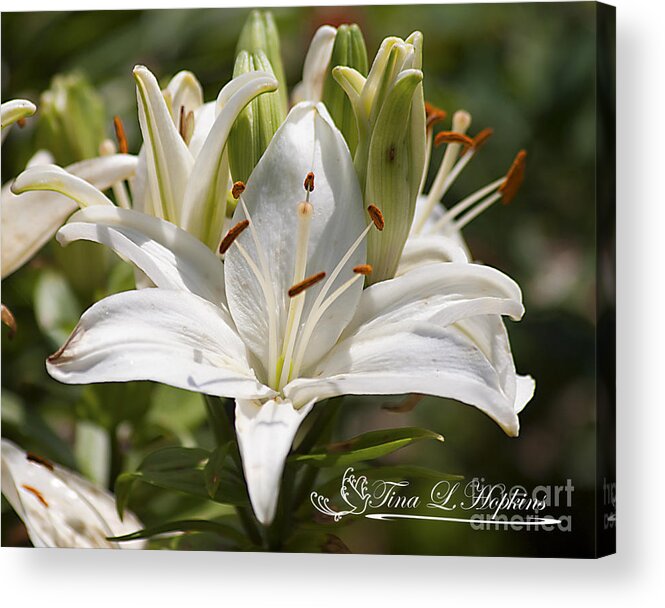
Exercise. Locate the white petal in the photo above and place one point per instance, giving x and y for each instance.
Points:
(317, 63)
(55, 179)
(60, 508)
(307, 141)
(526, 386)
(156, 334)
(14, 110)
(448, 231)
(265, 434)
(104, 171)
(183, 91)
(169, 161)
(204, 206)
(414, 358)
(423, 250)
(204, 118)
(29, 220)
(169, 256)
(440, 293)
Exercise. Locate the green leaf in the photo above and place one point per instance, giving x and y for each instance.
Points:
(367, 446)
(214, 469)
(188, 525)
(182, 470)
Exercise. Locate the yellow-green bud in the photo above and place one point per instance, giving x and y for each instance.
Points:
(390, 157)
(257, 123)
(71, 121)
(260, 34)
(349, 50)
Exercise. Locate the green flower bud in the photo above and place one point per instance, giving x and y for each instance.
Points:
(390, 156)
(349, 50)
(257, 123)
(260, 34)
(71, 121)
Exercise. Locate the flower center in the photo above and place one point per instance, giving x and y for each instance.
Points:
(298, 332)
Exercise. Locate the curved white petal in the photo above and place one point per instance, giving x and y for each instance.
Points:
(526, 387)
(317, 63)
(14, 110)
(440, 293)
(204, 206)
(169, 256)
(183, 91)
(60, 508)
(156, 334)
(104, 171)
(29, 220)
(423, 250)
(52, 178)
(204, 118)
(416, 358)
(307, 141)
(169, 161)
(431, 230)
(265, 434)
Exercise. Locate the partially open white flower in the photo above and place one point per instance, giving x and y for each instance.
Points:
(59, 507)
(284, 322)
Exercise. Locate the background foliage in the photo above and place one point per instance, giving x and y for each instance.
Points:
(528, 70)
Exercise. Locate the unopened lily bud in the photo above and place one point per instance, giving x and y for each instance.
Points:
(349, 50)
(390, 157)
(257, 123)
(71, 121)
(260, 34)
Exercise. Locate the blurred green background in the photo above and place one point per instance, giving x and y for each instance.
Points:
(527, 70)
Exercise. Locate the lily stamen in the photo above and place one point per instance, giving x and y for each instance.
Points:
(461, 123)
(306, 283)
(363, 269)
(433, 115)
(232, 235)
(119, 128)
(452, 137)
(237, 189)
(9, 320)
(377, 217)
(514, 178)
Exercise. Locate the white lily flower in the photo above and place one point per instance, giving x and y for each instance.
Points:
(284, 322)
(182, 172)
(30, 220)
(436, 233)
(59, 507)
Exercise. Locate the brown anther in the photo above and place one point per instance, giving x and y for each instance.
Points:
(36, 493)
(182, 127)
(39, 460)
(238, 189)
(298, 288)
(452, 137)
(363, 269)
(481, 138)
(514, 178)
(21, 122)
(433, 115)
(309, 182)
(120, 135)
(232, 235)
(9, 320)
(377, 217)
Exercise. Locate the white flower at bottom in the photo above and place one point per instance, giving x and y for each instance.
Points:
(60, 508)
(284, 321)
